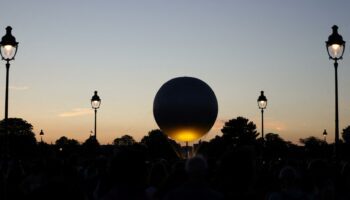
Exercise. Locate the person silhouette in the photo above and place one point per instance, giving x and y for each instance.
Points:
(236, 173)
(289, 186)
(128, 174)
(196, 187)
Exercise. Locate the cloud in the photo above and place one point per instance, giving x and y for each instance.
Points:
(14, 87)
(276, 125)
(76, 112)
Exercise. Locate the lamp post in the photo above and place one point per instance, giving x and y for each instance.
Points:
(335, 49)
(95, 104)
(8, 50)
(9, 47)
(324, 135)
(41, 135)
(262, 103)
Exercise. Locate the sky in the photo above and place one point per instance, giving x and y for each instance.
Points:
(126, 50)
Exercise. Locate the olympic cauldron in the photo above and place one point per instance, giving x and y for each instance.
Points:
(185, 108)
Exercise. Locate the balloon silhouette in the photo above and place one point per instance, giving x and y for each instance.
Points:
(185, 108)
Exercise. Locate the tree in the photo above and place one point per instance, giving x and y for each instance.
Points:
(125, 140)
(275, 146)
(20, 138)
(346, 135)
(274, 139)
(216, 147)
(312, 141)
(17, 127)
(160, 146)
(314, 146)
(63, 143)
(241, 130)
(90, 146)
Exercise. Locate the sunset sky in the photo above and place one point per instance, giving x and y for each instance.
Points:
(127, 49)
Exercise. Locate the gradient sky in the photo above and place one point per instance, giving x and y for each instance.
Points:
(127, 49)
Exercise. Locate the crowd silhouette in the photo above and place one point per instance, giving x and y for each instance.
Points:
(127, 173)
(154, 169)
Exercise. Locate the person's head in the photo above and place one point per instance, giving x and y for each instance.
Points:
(288, 176)
(196, 167)
(237, 170)
(128, 167)
(158, 174)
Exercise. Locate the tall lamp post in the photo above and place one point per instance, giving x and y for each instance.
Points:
(9, 47)
(262, 103)
(335, 48)
(95, 104)
(8, 50)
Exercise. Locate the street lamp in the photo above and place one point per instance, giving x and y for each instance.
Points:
(325, 135)
(262, 103)
(95, 104)
(335, 49)
(41, 135)
(9, 47)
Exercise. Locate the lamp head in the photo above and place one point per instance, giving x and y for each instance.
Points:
(95, 101)
(335, 45)
(324, 132)
(8, 45)
(262, 101)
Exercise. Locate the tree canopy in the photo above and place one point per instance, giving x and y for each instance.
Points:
(66, 144)
(314, 146)
(160, 146)
(240, 130)
(312, 142)
(275, 146)
(346, 135)
(125, 140)
(274, 139)
(19, 134)
(17, 127)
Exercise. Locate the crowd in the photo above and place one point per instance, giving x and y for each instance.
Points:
(126, 173)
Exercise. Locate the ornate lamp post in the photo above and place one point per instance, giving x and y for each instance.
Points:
(9, 47)
(262, 103)
(335, 48)
(95, 104)
(8, 50)
(41, 135)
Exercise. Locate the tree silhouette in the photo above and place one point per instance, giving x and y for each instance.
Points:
(160, 146)
(346, 135)
(274, 139)
(275, 146)
(241, 130)
(17, 127)
(90, 146)
(216, 147)
(314, 146)
(65, 144)
(345, 148)
(20, 137)
(125, 140)
(312, 142)
(64, 141)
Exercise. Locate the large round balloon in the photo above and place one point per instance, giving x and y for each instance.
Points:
(185, 108)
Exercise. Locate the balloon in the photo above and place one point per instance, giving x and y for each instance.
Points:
(185, 108)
